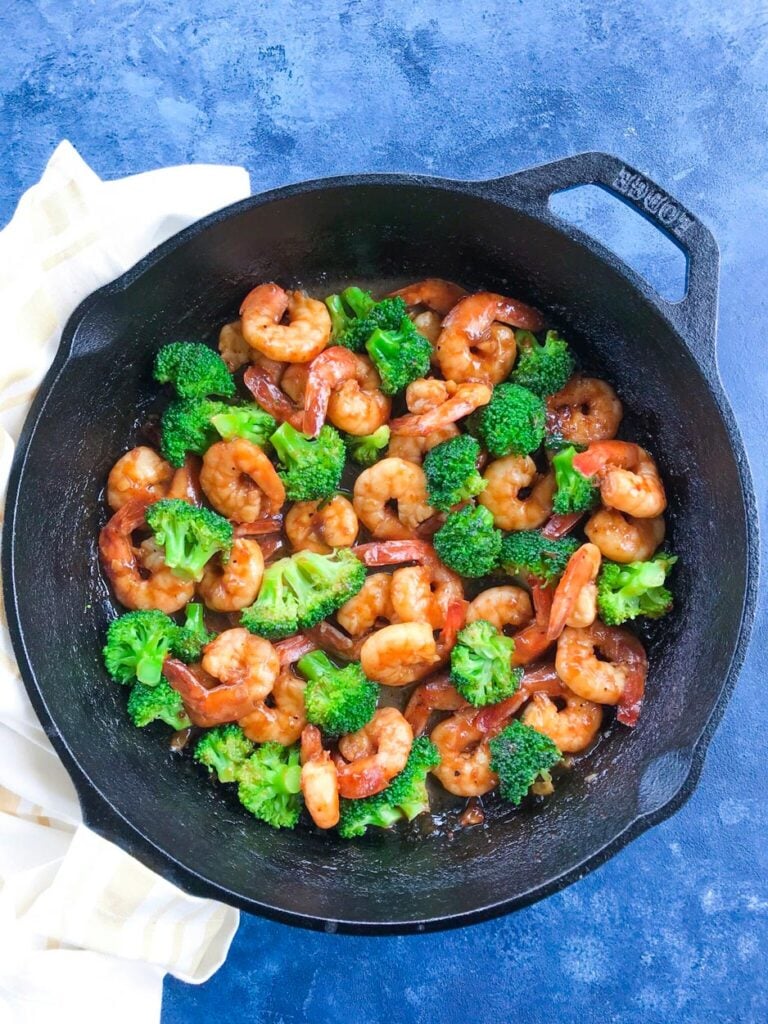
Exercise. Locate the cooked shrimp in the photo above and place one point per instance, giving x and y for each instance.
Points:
(125, 567)
(289, 651)
(423, 593)
(271, 397)
(622, 538)
(465, 758)
(387, 741)
(347, 388)
(233, 348)
(627, 476)
(331, 639)
(413, 449)
(399, 654)
(387, 481)
(468, 348)
(584, 411)
(571, 728)
(580, 572)
(619, 680)
(301, 339)
(434, 292)
(437, 694)
(491, 719)
(584, 611)
(506, 478)
(240, 482)
(233, 585)
(502, 606)
(370, 605)
(246, 668)
(428, 323)
(281, 717)
(321, 525)
(319, 779)
(463, 400)
(427, 393)
(185, 484)
(139, 475)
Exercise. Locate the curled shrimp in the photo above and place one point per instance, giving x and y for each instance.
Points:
(465, 757)
(579, 576)
(413, 448)
(319, 779)
(139, 475)
(584, 411)
(472, 347)
(233, 585)
(399, 654)
(435, 293)
(572, 728)
(627, 476)
(346, 388)
(301, 339)
(618, 680)
(506, 480)
(464, 399)
(281, 716)
(623, 538)
(502, 606)
(270, 396)
(321, 526)
(370, 605)
(240, 482)
(126, 567)
(387, 481)
(436, 694)
(246, 668)
(421, 396)
(374, 755)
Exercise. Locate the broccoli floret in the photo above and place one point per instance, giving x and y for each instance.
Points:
(404, 798)
(400, 355)
(187, 426)
(481, 666)
(575, 492)
(529, 553)
(468, 542)
(223, 750)
(451, 472)
(248, 421)
(339, 700)
(137, 645)
(367, 449)
(312, 467)
(520, 756)
(191, 638)
(189, 536)
(355, 316)
(269, 785)
(194, 370)
(543, 369)
(513, 421)
(159, 703)
(626, 591)
(297, 592)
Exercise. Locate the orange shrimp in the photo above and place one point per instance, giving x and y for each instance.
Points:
(465, 399)
(365, 407)
(379, 752)
(627, 476)
(271, 397)
(436, 694)
(298, 341)
(581, 570)
(319, 779)
(434, 292)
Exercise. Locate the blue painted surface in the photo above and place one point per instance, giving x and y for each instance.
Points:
(675, 927)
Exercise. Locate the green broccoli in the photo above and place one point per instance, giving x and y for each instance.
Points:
(194, 370)
(468, 542)
(355, 316)
(137, 645)
(297, 592)
(575, 492)
(626, 591)
(404, 798)
(159, 703)
(339, 700)
(451, 472)
(187, 426)
(190, 639)
(513, 422)
(223, 750)
(529, 553)
(248, 421)
(543, 369)
(521, 756)
(367, 449)
(400, 355)
(311, 467)
(189, 536)
(481, 666)
(269, 785)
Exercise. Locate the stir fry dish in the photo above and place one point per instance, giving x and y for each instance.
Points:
(383, 547)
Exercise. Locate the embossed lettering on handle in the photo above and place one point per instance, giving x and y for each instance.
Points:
(658, 204)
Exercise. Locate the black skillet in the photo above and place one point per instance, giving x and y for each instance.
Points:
(376, 230)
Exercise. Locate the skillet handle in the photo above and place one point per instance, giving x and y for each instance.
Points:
(695, 316)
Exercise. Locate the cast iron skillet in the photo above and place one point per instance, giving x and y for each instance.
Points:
(379, 229)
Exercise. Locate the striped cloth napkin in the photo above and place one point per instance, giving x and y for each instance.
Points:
(86, 932)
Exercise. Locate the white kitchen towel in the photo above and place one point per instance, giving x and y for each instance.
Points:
(86, 932)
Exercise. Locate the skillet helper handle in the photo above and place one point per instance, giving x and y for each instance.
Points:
(696, 314)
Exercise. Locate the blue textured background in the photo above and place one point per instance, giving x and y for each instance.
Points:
(675, 927)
